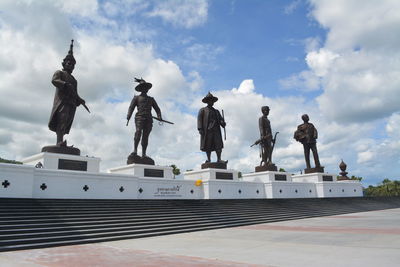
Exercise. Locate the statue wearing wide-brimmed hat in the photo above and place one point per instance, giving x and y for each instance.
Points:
(143, 120)
(209, 123)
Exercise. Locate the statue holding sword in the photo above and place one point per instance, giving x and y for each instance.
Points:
(143, 121)
(66, 100)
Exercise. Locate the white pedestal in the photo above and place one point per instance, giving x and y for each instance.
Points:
(267, 176)
(145, 171)
(54, 161)
(314, 177)
(212, 174)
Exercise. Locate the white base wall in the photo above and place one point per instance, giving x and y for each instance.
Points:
(26, 181)
(339, 189)
(214, 189)
(290, 190)
(155, 188)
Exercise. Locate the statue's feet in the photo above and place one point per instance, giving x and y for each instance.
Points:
(207, 161)
(222, 161)
(63, 143)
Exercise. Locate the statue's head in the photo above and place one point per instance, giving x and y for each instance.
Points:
(209, 99)
(69, 60)
(265, 110)
(143, 86)
(305, 118)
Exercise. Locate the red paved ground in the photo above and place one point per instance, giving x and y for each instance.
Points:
(106, 256)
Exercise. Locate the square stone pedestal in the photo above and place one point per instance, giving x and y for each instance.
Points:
(54, 161)
(212, 174)
(314, 177)
(267, 176)
(145, 171)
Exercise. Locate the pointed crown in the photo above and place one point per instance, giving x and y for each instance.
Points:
(70, 54)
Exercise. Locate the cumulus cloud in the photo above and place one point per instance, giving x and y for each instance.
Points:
(181, 13)
(290, 8)
(356, 69)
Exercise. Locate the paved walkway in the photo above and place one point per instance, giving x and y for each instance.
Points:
(357, 239)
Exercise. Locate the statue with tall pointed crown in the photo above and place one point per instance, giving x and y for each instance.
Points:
(66, 100)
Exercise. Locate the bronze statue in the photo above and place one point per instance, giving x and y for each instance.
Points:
(266, 142)
(343, 173)
(307, 134)
(66, 99)
(143, 121)
(209, 121)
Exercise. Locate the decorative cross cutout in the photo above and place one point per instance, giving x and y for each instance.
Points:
(240, 191)
(43, 186)
(295, 191)
(121, 189)
(5, 184)
(343, 190)
(140, 190)
(310, 190)
(280, 190)
(191, 191)
(219, 191)
(86, 188)
(258, 191)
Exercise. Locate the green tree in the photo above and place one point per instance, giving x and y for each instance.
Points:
(175, 170)
(384, 189)
(282, 170)
(356, 178)
(9, 161)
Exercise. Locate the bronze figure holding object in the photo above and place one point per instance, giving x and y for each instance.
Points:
(307, 134)
(143, 121)
(209, 123)
(66, 99)
(266, 142)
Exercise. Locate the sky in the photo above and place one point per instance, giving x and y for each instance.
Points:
(338, 61)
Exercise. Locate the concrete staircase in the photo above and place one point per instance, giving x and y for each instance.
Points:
(38, 223)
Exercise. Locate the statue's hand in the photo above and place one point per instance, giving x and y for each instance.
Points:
(223, 124)
(201, 131)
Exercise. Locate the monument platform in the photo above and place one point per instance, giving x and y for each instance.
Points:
(76, 177)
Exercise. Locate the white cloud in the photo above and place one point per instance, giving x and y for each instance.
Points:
(246, 87)
(290, 8)
(181, 13)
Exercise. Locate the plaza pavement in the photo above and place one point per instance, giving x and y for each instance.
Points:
(357, 239)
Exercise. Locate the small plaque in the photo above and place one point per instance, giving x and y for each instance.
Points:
(327, 178)
(280, 177)
(72, 165)
(153, 173)
(224, 175)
